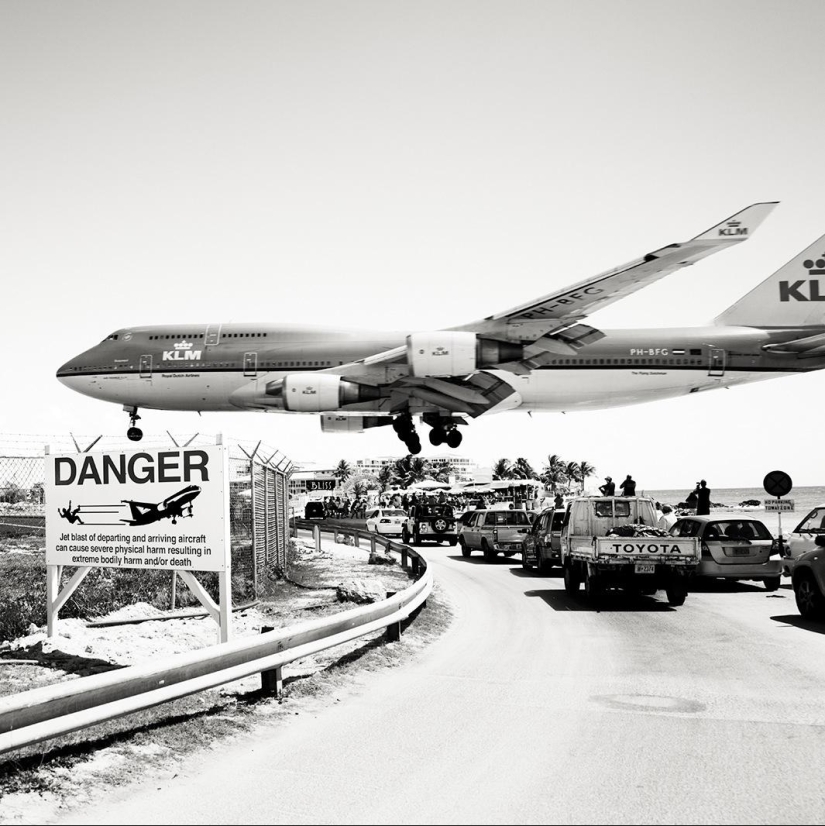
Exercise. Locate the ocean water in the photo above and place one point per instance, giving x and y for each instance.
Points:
(726, 500)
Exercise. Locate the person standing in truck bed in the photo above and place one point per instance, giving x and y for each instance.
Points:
(628, 487)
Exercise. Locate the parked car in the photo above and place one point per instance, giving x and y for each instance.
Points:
(733, 548)
(808, 535)
(314, 510)
(808, 578)
(491, 531)
(541, 546)
(388, 521)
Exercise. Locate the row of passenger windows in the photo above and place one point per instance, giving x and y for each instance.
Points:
(200, 335)
(627, 361)
(190, 365)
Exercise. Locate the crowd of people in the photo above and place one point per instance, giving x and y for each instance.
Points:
(343, 507)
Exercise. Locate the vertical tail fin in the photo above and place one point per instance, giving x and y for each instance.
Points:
(794, 296)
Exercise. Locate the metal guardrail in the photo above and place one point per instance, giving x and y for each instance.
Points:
(43, 713)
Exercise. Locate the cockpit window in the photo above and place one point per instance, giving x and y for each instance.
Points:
(112, 337)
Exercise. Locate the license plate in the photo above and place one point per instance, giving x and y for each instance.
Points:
(741, 551)
(645, 567)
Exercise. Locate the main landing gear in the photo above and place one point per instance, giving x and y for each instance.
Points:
(134, 433)
(444, 430)
(405, 429)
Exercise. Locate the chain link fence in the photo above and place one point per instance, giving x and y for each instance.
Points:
(258, 495)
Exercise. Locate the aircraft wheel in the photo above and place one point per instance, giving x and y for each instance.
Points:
(414, 445)
(437, 436)
(454, 438)
(134, 434)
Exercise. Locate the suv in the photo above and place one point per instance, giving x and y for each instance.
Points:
(541, 547)
(808, 535)
(491, 531)
(429, 522)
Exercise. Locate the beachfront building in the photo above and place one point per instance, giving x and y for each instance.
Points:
(464, 469)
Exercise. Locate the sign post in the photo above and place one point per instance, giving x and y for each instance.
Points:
(155, 509)
(777, 483)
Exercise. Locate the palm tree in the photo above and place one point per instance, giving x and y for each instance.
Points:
(411, 469)
(342, 472)
(522, 469)
(553, 474)
(386, 477)
(442, 471)
(502, 469)
(571, 471)
(585, 470)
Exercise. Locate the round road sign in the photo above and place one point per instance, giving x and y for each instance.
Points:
(778, 483)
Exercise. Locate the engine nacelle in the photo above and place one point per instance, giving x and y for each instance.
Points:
(456, 353)
(317, 392)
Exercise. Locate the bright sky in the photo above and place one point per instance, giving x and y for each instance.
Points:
(406, 165)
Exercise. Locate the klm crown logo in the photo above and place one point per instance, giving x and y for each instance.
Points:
(182, 351)
(815, 267)
(733, 229)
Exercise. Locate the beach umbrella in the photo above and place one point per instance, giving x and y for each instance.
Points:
(430, 484)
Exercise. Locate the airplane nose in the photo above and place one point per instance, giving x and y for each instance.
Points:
(65, 371)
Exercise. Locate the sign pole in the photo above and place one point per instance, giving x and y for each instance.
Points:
(777, 483)
(779, 517)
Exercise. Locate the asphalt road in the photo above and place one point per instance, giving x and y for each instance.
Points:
(536, 708)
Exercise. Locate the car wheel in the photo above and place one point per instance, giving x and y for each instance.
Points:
(809, 599)
(452, 541)
(593, 587)
(440, 525)
(465, 551)
(572, 580)
(543, 566)
(489, 553)
(772, 583)
(405, 536)
(676, 591)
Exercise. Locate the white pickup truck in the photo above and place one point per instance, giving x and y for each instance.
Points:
(612, 542)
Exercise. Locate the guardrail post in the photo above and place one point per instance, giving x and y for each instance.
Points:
(403, 557)
(416, 562)
(272, 680)
(335, 534)
(394, 632)
(372, 544)
(316, 531)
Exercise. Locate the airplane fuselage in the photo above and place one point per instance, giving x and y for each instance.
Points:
(197, 367)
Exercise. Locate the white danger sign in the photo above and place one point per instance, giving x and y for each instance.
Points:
(153, 508)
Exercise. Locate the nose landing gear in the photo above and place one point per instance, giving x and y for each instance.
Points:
(134, 434)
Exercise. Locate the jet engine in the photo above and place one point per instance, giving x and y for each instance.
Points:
(316, 392)
(456, 353)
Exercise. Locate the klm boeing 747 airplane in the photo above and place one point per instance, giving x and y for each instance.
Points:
(537, 356)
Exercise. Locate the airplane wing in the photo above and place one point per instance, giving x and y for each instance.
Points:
(565, 307)
(453, 371)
